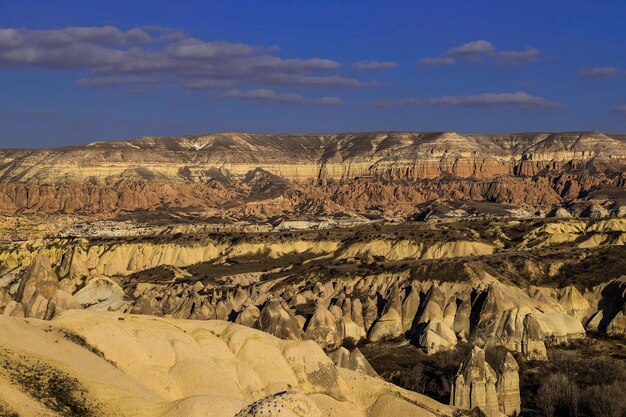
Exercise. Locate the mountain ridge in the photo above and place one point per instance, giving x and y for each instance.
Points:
(317, 173)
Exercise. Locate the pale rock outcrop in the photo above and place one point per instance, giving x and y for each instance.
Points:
(435, 305)
(475, 384)
(325, 328)
(101, 293)
(223, 310)
(14, 309)
(357, 316)
(573, 302)
(533, 345)
(202, 309)
(437, 336)
(276, 319)
(410, 306)
(161, 367)
(370, 313)
(617, 326)
(560, 212)
(611, 308)
(249, 316)
(39, 291)
(507, 386)
(148, 305)
(352, 331)
(288, 404)
(353, 360)
(388, 326)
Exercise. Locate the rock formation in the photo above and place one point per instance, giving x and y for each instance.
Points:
(507, 386)
(353, 360)
(39, 293)
(478, 385)
(234, 274)
(268, 175)
(469, 302)
(125, 365)
(276, 319)
(475, 384)
(325, 328)
(524, 284)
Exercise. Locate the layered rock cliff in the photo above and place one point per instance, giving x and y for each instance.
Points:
(268, 175)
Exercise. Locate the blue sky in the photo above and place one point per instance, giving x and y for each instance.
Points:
(73, 72)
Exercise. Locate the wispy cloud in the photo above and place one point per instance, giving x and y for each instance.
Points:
(598, 72)
(264, 94)
(373, 65)
(517, 57)
(472, 50)
(153, 55)
(482, 50)
(393, 102)
(621, 109)
(518, 99)
(268, 95)
(329, 101)
(434, 62)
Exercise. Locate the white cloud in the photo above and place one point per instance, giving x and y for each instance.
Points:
(264, 94)
(482, 50)
(518, 99)
(329, 101)
(471, 50)
(111, 56)
(435, 62)
(517, 57)
(373, 65)
(621, 109)
(393, 102)
(598, 72)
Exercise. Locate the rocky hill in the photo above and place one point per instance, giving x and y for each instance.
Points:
(85, 364)
(391, 173)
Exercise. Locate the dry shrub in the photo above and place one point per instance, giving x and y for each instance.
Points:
(604, 401)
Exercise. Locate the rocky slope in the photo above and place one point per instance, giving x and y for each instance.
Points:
(390, 173)
(101, 364)
(494, 283)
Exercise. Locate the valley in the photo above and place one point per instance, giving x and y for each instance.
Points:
(323, 275)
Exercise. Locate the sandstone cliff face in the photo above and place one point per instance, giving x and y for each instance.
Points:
(268, 175)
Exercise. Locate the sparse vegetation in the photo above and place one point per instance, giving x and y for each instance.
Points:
(586, 378)
(5, 410)
(52, 387)
(80, 340)
(579, 379)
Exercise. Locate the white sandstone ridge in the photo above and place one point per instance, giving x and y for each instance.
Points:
(580, 233)
(406, 249)
(80, 257)
(83, 258)
(125, 365)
